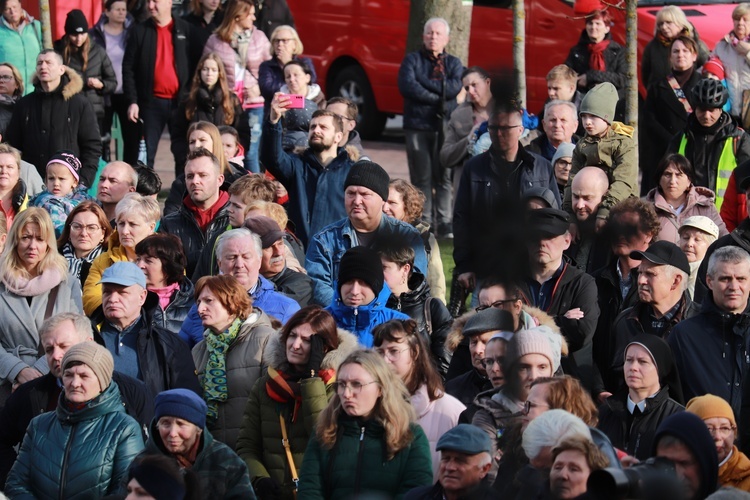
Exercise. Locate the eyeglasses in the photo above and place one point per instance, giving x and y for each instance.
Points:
(502, 128)
(528, 405)
(345, 117)
(283, 40)
(391, 354)
(354, 386)
(496, 304)
(721, 431)
(6, 78)
(488, 363)
(90, 228)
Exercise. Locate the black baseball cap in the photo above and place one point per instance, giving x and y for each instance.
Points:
(664, 253)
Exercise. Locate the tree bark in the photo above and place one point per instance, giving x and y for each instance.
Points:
(519, 49)
(631, 55)
(46, 23)
(458, 15)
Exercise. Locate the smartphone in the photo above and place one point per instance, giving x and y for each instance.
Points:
(296, 101)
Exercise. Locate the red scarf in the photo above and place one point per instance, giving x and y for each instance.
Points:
(285, 388)
(596, 55)
(204, 217)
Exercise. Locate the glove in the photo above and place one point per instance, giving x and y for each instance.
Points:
(267, 489)
(317, 353)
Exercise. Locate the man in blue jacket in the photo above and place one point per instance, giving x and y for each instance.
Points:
(366, 189)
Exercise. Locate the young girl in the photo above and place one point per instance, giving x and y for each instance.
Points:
(230, 141)
(63, 192)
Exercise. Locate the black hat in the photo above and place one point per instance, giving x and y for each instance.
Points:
(548, 222)
(265, 227)
(369, 174)
(364, 264)
(488, 320)
(76, 23)
(664, 253)
(745, 183)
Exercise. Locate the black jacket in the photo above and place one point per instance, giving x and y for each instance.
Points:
(7, 104)
(98, 66)
(43, 123)
(481, 491)
(270, 14)
(466, 387)
(164, 360)
(412, 303)
(183, 225)
(177, 310)
(614, 62)
(201, 30)
(295, 285)
(712, 353)
(36, 397)
(635, 435)
(139, 62)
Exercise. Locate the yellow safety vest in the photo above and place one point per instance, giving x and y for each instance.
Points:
(727, 164)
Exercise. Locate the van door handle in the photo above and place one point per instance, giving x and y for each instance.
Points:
(547, 24)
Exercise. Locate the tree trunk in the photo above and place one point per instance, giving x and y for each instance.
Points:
(631, 55)
(519, 49)
(458, 15)
(46, 24)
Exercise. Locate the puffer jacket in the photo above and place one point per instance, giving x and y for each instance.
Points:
(77, 454)
(221, 473)
(357, 464)
(98, 66)
(428, 103)
(92, 289)
(735, 472)
(412, 303)
(46, 122)
(614, 62)
(258, 51)
(21, 49)
(183, 225)
(362, 319)
(436, 418)
(296, 122)
(174, 315)
(736, 70)
(259, 442)
(700, 201)
(635, 435)
(245, 364)
(497, 410)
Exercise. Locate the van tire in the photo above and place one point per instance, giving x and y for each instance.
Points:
(351, 82)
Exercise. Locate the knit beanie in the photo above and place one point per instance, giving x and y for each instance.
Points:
(531, 341)
(710, 406)
(181, 403)
(364, 264)
(67, 159)
(714, 67)
(96, 357)
(156, 481)
(369, 174)
(600, 101)
(564, 150)
(76, 23)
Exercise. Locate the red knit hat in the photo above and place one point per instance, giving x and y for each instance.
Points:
(715, 67)
(586, 7)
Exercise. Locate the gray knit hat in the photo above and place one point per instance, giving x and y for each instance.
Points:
(94, 356)
(532, 341)
(564, 150)
(601, 101)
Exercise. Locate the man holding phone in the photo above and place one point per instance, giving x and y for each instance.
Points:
(313, 178)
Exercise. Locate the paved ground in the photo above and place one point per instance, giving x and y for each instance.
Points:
(389, 152)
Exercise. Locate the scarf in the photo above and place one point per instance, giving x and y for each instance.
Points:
(204, 217)
(74, 263)
(240, 43)
(188, 460)
(596, 55)
(285, 388)
(682, 77)
(667, 42)
(215, 376)
(165, 294)
(40, 285)
(734, 41)
(438, 64)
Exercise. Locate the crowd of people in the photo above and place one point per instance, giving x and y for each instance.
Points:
(280, 326)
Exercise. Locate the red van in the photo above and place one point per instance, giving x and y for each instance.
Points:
(357, 45)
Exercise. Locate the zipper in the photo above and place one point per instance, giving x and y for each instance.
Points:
(360, 455)
(63, 471)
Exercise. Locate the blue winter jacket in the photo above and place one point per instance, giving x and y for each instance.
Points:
(265, 297)
(316, 193)
(424, 107)
(78, 454)
(328, 246)
(361, 320)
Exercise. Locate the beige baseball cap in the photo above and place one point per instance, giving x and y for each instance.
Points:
(703, 223)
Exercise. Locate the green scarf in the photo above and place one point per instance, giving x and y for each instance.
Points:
(215, 377)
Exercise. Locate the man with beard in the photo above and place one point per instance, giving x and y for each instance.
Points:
(590, 251)
(314, 178)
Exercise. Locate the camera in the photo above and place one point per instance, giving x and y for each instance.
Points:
(652, 479)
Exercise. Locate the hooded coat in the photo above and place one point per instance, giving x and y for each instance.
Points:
(735, 472)
(259, 442)
(700, 201)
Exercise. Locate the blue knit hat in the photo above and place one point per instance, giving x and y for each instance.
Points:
(181, 403)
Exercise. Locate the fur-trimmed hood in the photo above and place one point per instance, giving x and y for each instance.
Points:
(71, 83)
(530, 317)
(275, 351)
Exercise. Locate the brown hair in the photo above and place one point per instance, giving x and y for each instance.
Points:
(17, 77)
(86, 206)
(196, 7)
(227, 103)
(648, 221)
(235, 10)
(413, 199)
(232, 296)
(253, 187)
(687, 41)
(567, 393)
(594, 457)
(338, 123)
(321, 322)
(70, 50)
(351, 107)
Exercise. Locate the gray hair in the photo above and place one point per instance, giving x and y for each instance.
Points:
(134, 203)
(549, 429)
(728, 255)
(81, 324)
(439, 20)
(671, 272)
(238, 234)
(560, 102)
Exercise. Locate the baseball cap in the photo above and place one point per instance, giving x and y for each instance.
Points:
(663, 253)
(124, 274)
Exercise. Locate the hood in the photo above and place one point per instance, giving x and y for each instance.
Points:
(275, 351)
(455, 335)
(736, 469)
(70, 84)
(255, 319)
(622, 129)
(106, 402)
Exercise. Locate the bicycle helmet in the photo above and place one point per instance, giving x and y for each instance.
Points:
(710, 94)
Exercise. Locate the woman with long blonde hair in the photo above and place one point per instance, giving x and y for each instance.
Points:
(34, 285)
(367, 440)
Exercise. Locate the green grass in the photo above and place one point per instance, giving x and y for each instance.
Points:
(446, 254)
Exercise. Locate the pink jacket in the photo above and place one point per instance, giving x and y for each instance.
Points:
(258, 50)
(700, 201)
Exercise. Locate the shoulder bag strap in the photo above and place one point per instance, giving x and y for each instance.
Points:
(679, 93)
(290, 459)
(51, 299)
(428, 315)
